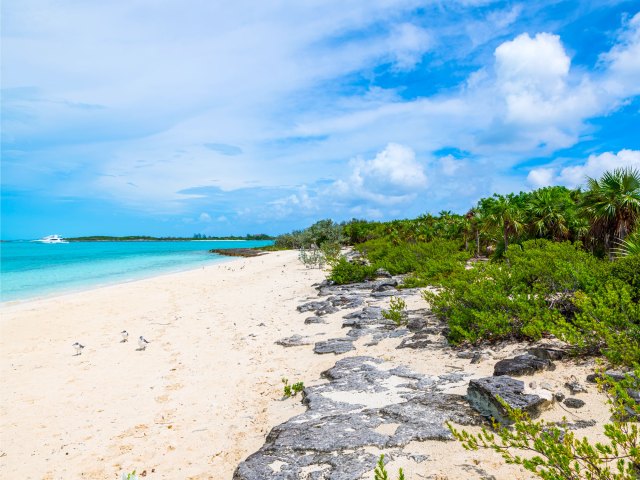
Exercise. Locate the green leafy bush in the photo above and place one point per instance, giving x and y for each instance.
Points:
(526, 296)
(608, 322)
(292, 390)
(627, 269)
(396, 311)
(344, 271)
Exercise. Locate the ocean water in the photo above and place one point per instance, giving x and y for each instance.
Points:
(29, 270)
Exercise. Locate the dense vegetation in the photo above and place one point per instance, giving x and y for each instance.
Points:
(560, 262)
(145, 238)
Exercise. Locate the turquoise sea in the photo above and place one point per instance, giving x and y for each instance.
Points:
(29, 270)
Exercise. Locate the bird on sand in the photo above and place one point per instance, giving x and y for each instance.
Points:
(125, 336)
(142, 343)
(78, 348)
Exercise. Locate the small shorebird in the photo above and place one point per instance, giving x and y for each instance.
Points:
(78, 348)
(142, 343)
(125, 336)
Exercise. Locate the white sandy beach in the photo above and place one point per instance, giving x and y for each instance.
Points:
(206, 391)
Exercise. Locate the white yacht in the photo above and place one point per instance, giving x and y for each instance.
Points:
(52, 239)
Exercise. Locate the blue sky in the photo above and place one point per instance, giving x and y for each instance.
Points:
(182, 117)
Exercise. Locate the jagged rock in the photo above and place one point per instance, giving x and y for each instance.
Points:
(574, 386)
(483, 394)
(573, 402)
(310, 320)
(547, 352)
(385, 285)
(332, 437)
(521, 365)
(310, 306)
(366, 317)
(294, 341)
(346, 301)
(558, 396)
(327, 310)
(415, 324)
(381, 272)
(334, 345)
(416, 341)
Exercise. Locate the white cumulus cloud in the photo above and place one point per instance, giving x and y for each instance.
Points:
(541, 177)
(594, 167)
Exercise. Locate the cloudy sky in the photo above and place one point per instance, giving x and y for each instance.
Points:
(198, 116)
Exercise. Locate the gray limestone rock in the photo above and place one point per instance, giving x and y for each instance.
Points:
(416, 341)
(311, 320)
(294, 341)
(331, 439)
(483, 394)
(334, 345)
(381, 272)
(573, 402)
(521, 365)
(310, 306)
(385, 285)
(547, 352)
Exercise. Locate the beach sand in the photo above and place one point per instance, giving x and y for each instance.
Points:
(206, 391)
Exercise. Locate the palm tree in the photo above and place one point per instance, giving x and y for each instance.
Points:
(549, 210)
(507, 215)
(612, 204)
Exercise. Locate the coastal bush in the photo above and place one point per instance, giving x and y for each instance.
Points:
(396, 311)
(529, 294)
(554, 452)
(607, 322)
(343, 271)
(627, 269)
(409, 257)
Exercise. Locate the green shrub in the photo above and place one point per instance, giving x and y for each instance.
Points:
(526, 296)
(396, 311)
(292, 390)
(627, 269)
(344, 271)
(608, 322)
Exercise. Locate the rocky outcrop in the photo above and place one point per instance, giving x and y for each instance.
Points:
(484, 394)
(334, 345)
(344, 419)
(521, 365)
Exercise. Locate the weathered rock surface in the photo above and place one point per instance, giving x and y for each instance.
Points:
(334, 345)
(310, 306)
(311, 320)
(574, 402)
(547, 352)
(294, 341)
(330, 439)
(483, 394)
(521, 365)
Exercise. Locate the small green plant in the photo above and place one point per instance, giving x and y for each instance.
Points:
(555, 453)
(396, 311)
(381, 472)
(130, 476)
(292, 390)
